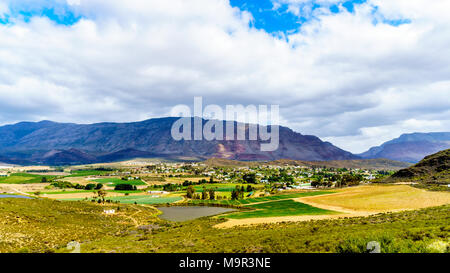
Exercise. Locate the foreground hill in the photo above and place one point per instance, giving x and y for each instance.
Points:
(368, 164)
(410, 147)
(40, 225)
(54, 143)
(433, 169)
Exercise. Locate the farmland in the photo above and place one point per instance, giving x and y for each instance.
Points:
(325, 210)
(269, 198)
(380, 198)
(278, 208)
(136, 199)
(24, 178)
(112, 182)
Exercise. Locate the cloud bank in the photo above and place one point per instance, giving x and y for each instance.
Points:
(355, 78)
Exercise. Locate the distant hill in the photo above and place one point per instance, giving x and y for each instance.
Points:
(434, 169)
(53, 143)
(368, 164)
(410, 147)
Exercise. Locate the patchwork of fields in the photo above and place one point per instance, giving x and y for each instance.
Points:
(136, 199)
(23, 178)
(248, 201)
(278, 208)
(112, 182)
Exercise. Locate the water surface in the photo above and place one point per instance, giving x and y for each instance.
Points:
(14, 196)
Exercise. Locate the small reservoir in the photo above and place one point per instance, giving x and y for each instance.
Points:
(14, 196)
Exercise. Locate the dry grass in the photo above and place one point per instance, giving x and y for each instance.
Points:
(380, 199)
(360, 201)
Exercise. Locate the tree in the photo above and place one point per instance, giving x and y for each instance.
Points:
(44, 179)
(125, 187)
(204, 194)
(102, 194)
(351, 180)
(99, 186)
(89, 187)
(249, 178)
(212, 193)
(234, 195)
(249, 188)
(237, 193)
(190, 191)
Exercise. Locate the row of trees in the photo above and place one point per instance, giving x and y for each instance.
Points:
(205, 194)
(238, 192)
(68, 185)
(341, 180)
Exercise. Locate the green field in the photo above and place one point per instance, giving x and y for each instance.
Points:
(144, 199)
(220, 187)
(112, 182)
(138, 199)
(249, 201)
(24, 178)
(277, 209)
(82, 191)
(79, 173)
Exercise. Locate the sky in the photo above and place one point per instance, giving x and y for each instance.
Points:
(355, 73)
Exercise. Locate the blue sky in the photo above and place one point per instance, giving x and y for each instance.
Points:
(273, 16)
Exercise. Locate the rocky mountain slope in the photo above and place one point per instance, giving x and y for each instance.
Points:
(54, 143)
(433, 169)
(410, 147)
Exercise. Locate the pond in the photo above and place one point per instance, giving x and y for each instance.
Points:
(14, 196)
(179, 214)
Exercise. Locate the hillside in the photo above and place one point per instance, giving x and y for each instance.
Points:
(43, 225)
(370, 164)
(410, 147)
(433, 169)
(54, 143)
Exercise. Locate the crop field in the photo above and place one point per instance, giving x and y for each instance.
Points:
(217, 187)
(145, 199)
(134, 199)
(112, 182)
(380, 198)
(180, 180)
(78, 173)
(82, 191)
(277, 209)
(24, 178)
(253, 200)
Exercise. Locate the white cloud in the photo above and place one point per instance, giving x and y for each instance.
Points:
(341, 77)
(3, 9)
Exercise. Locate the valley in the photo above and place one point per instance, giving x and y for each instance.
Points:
(135, 205)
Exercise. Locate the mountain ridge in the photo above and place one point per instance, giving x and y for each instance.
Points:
(410, 147)
(48, 142)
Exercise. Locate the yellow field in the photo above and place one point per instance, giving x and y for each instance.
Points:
(380, 198)
(360, 201)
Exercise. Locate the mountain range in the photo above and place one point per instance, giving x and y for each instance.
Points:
(54, 143)
(410, 147)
